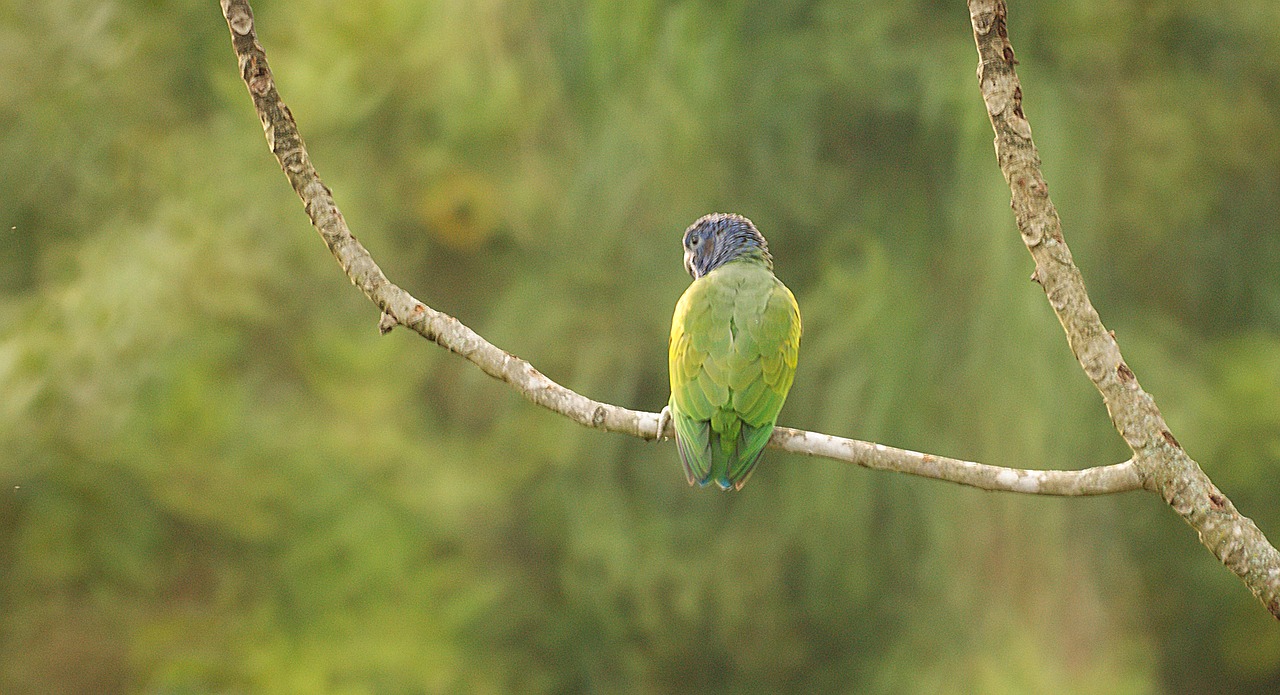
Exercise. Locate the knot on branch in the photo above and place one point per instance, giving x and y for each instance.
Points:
(239, 17)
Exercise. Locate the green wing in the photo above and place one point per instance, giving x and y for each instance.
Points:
(734, 340)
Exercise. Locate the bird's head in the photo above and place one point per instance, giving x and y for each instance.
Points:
(719, 238)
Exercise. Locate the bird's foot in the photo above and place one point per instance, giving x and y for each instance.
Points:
(664, 417)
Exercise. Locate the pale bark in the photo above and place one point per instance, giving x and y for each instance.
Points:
(1160, 461)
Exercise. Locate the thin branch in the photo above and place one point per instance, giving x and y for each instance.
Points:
(1100, 480)
(1160, 461)
(400, 308)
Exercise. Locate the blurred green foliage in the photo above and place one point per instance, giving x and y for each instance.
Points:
(217, 477)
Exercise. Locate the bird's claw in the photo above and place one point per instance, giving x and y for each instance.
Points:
(664, 417)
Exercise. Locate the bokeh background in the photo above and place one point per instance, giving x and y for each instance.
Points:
(216, 477)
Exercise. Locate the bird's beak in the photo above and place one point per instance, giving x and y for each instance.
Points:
(688, 263)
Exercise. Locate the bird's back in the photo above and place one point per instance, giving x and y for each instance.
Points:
(734, 341)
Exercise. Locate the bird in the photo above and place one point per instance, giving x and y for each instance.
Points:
(735, 336)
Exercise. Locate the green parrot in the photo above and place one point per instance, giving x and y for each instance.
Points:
(732, 356)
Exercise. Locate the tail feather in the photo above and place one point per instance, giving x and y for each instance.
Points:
(724, 456)
(749, 448)
(693, 441)
(706, 458)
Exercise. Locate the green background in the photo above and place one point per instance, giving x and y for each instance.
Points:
(216, 477)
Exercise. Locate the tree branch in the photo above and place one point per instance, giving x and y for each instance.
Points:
(401, 308)
(1160, 461)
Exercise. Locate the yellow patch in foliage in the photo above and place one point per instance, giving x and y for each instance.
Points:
(460, 211)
